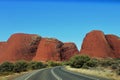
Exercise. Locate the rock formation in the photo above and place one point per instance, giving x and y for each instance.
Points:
(68, 50)
(33, 47)
(20, 47)
(114, 43)
(96, 45)
(48, 49)
(55, 50)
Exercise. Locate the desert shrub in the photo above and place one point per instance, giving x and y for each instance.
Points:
(114, 66)
(78, 61)
(106, 62)
(20, 66)
(85, 66)
(6, 67)
(118, 71)
(36, 65)
(53, 64)
(91, 63)
(66, 63)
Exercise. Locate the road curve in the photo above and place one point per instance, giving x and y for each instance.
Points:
(56, 73)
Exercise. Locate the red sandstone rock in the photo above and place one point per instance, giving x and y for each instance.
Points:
(96, 45)
(20, 47)
(68, 50)
(2, 47)
(32, 47)
(55, 50)
(114, 42)
(48, 49)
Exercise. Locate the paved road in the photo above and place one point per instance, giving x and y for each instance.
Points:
(56, 73)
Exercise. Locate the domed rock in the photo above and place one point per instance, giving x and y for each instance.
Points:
(68, 50)
(96, 45)
(20, 47)
(114, 42)
(48, 49)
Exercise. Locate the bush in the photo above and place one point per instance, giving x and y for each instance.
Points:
(92, 63)
(66, 63)
(6, 67)
(53, 64)
(78, 61)
(106, 62)
(36, 65)
(20, 66)
(114, 66)
(118, 71)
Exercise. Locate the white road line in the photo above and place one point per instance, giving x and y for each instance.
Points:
(56, 76)
(80, 75)
(33, 74)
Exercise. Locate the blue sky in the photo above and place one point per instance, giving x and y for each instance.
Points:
(68, 21)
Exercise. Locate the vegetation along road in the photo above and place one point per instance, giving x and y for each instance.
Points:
(55, 73)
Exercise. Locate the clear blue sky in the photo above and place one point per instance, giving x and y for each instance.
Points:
(68, 21)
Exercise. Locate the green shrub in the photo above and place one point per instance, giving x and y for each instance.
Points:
(106, 62)
(6, 67)
(36, 65)
(66, 63)
(92, 63)
(118, 71)
(20, 66)
(78, 61)
(53, 64)
(114, 66)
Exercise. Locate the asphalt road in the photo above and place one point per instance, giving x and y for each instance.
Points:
(56, 73)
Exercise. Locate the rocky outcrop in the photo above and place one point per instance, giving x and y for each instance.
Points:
(48, 49)
(114, 43)
(55, 50)
(68, 50)
(20, 47)
(96, 45)
(33, 47)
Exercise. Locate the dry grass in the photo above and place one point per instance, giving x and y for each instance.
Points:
(12, 76)
(100, 72)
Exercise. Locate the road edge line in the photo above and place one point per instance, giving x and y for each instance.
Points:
(56, 76)
(34, 73)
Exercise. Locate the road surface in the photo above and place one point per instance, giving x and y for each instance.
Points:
(56, 73)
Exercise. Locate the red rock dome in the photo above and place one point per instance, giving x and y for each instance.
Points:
(48, 49)
(20, 47)
(96, 45)
(114, 42)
